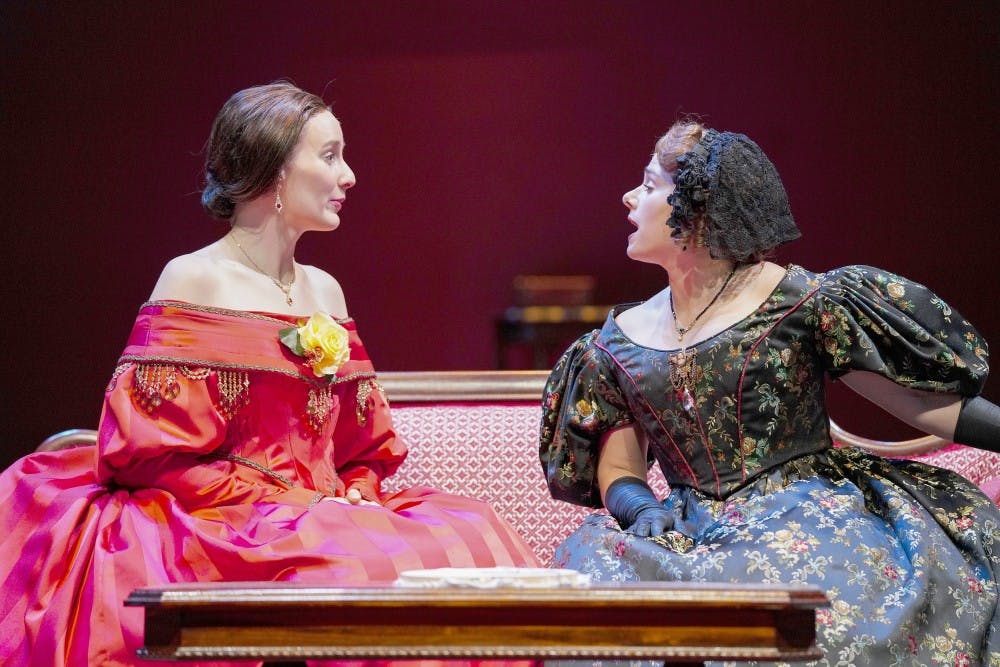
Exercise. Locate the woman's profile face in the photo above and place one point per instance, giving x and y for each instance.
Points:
(316, 176)
(648, 212)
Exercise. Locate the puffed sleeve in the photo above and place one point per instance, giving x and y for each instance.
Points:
(366, 448)
(582, 402)
(871, 320)
(157, 423)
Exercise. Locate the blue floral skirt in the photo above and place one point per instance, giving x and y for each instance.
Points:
(908, 554)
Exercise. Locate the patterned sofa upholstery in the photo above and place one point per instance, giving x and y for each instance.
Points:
(476, 434)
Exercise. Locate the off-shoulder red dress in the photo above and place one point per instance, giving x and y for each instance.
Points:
(219, 453)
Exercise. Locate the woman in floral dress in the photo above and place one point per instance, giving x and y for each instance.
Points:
(719, 379)
(244, 435)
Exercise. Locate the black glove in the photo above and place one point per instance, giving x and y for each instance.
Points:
(632, 503)
(978, 424)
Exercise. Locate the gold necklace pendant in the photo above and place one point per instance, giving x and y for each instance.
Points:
(685, 373)
(286, 289)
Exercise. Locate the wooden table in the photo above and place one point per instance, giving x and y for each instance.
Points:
(674, 622)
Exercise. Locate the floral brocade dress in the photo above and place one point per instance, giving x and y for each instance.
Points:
(908, 554)
(219, 454)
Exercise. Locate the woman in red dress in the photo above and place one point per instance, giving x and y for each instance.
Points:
(244, 434)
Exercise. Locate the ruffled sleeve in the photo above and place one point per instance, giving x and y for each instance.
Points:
(582, 402)
(871, 320)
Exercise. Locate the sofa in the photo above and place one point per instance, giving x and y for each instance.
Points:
(475, 433)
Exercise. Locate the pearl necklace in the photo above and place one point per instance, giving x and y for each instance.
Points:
(285, 288)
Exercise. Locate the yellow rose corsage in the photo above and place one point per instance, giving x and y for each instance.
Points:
(321, 341)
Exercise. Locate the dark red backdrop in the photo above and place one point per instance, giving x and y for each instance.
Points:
(489, 139)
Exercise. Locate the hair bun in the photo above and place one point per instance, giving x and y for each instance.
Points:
(215, 200)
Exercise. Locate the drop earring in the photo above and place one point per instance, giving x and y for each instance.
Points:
(278, 205)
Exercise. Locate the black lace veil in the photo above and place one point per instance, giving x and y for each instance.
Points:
(728, 181)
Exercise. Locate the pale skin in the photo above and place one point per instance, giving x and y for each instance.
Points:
(695, 278)
(313, 186)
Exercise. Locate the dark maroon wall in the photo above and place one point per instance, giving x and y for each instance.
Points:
(489, 139)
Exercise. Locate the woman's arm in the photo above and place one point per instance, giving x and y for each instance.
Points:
(971, 421)
(927, 411)
(623, 454)
(621, 475)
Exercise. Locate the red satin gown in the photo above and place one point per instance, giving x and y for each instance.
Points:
(217, 458)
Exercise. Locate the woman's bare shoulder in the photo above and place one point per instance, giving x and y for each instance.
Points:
(193, 277)
(327, 290)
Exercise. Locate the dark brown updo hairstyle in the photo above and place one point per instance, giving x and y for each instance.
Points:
(252, 138)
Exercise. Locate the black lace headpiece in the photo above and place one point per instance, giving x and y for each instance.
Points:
(727, 179)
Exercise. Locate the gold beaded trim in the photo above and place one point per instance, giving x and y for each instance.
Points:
(234, 391)
(200, 363)
(365, 388)
(251, 464)
(119, 369)
(182, 305)
(318, 408)
(196, 374)
(153, 384)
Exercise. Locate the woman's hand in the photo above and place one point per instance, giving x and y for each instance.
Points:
(353, 497)
(633, 504)
(621, 473)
